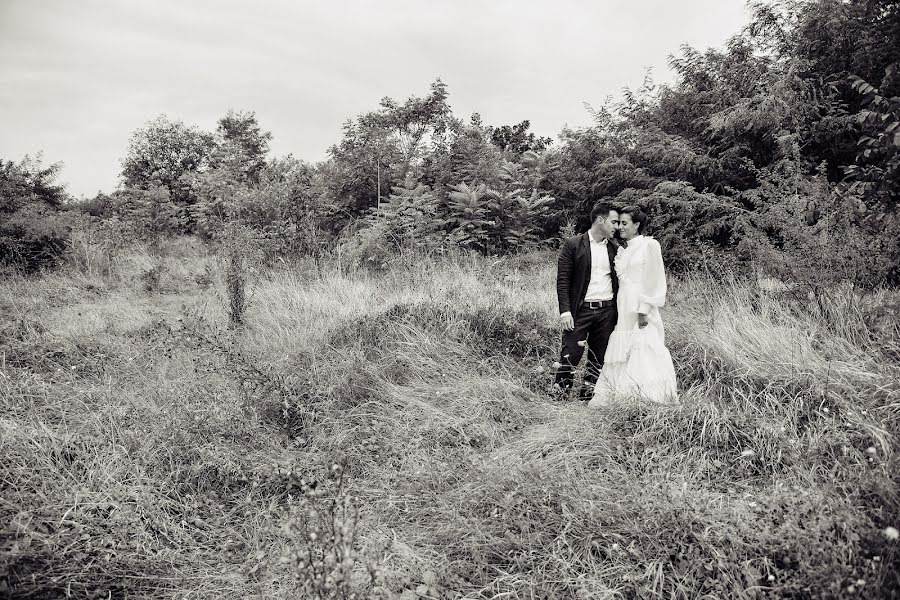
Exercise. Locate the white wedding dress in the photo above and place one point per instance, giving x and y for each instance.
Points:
(637, 367)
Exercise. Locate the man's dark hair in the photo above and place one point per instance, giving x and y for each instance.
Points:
(601, 209)
(637, 216)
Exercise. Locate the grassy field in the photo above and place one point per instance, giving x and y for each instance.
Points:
(389, 436)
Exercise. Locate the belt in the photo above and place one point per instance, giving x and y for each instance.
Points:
(599, 303)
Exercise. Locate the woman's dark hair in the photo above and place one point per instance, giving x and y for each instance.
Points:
(637, 216)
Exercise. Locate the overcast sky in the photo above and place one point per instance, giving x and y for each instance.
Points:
(78, 77)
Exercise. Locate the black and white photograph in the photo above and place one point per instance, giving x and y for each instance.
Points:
(449, 300)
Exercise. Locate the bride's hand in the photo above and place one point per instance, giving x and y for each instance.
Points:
(642, 320)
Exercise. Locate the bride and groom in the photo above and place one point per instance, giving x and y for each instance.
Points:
(610, 284)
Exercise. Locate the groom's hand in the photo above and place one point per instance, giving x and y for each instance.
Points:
(642, 320)
(567, 321)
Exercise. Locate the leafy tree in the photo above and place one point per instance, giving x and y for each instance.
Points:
(361, 167)
(200, 171)
(412, 124)
(466, 156)
(33, 232)
(876, 176)
(873, 182)
(516, 139)
(593, 164)
(243, 143)
(101, 206)
(384, 148)
(517, 218)
(163, 153)
(214, 191)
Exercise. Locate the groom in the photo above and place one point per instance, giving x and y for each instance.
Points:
(586, 286)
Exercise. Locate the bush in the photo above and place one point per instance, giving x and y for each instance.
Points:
(32, 231)
(371, 248)
(796, 227)
(494, 221)
(286, 208)
(409, 218)
(472, 217)
(694, 229)
(34, 238)
(94, 245)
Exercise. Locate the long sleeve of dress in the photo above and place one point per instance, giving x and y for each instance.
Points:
(653, 286)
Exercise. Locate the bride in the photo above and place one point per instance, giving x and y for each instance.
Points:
(637, 365)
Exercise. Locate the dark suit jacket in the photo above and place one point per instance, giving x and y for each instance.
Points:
(573, 273)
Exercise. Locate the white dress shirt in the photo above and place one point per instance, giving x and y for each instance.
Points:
(600, 286)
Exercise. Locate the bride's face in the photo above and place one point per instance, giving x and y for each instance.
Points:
(627, 228)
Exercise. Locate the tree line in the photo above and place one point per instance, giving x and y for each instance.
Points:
(780, 150)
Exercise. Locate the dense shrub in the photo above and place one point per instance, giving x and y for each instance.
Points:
(33, 232)
(693, 228)
(94, 245)
(288, 209)
(475, 217)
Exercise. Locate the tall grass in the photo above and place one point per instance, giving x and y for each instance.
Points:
(149, 450)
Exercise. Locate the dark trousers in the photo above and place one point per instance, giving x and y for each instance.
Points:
(594, 325)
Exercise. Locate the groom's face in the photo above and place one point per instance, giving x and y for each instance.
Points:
(608, 225)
